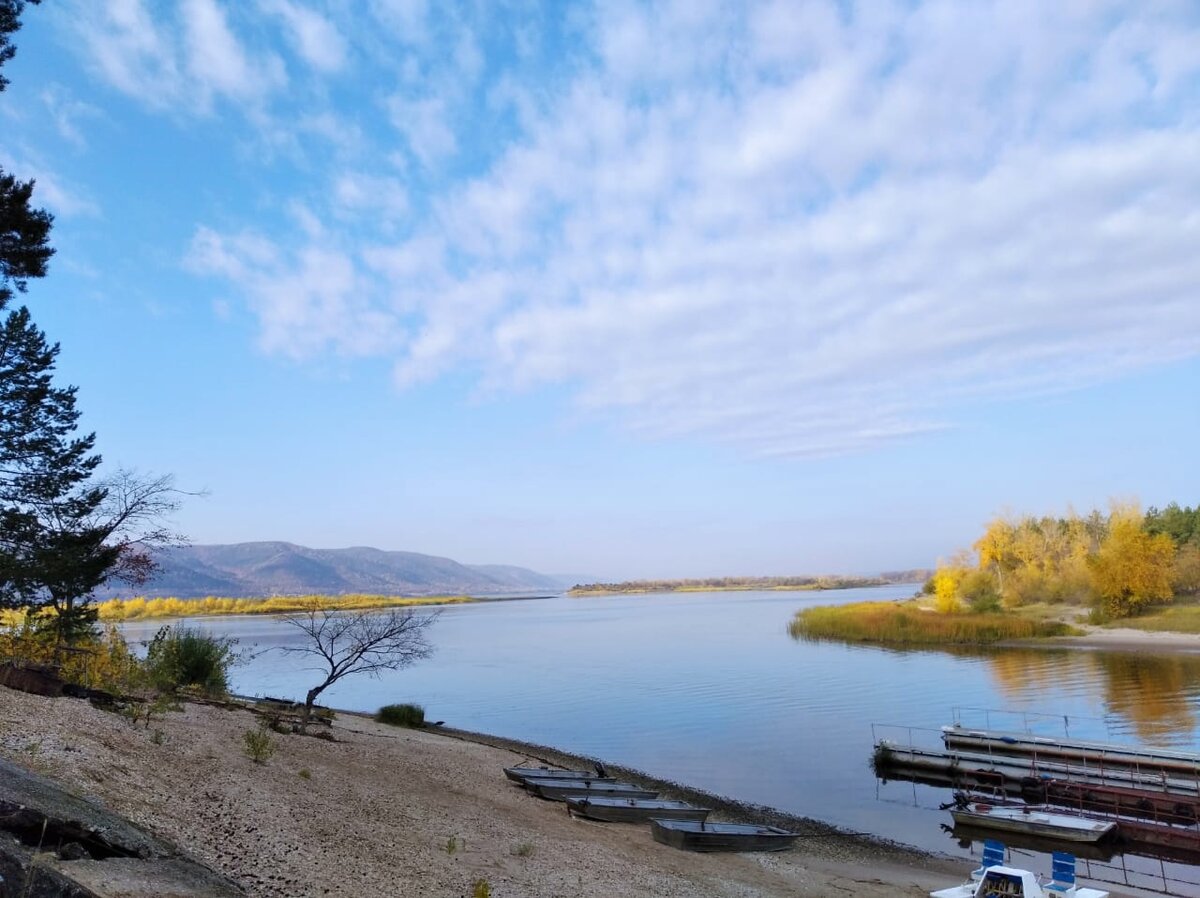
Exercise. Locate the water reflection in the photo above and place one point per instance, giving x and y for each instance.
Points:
(1148, 697)
(1155, 693)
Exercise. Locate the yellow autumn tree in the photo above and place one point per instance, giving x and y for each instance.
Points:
(947, 580)
(1132, 568)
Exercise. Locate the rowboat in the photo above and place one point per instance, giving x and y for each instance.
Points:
(1012, 882)
(562, 789)
(523, 774)
(697, 835)
(1064, 827)
(633, 810)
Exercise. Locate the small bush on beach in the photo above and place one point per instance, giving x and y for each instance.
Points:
(401, 715)
(179, 658)
(482, 889)
(258, 745)
(893, 623)
(523, 849)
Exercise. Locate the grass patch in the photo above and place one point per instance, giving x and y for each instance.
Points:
(907, 623)
(1174, 619)
(405, 715)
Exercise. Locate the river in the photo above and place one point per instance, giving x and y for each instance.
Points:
(709, 689)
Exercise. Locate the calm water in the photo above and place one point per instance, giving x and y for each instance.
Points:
(708, 689)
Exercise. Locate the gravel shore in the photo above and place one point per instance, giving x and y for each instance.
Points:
(391, 812)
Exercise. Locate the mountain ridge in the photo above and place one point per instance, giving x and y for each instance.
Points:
(243, 570)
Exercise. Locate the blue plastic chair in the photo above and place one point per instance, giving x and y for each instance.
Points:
(1062, 871)
(993, 855)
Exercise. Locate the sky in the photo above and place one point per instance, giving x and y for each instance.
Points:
(624, 290)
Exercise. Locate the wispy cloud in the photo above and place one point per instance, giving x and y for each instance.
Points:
(798, 227)
(183, 62)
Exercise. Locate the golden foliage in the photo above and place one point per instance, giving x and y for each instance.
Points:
(946, 581)
(102, 661)
(142, 609)
(1133, 568)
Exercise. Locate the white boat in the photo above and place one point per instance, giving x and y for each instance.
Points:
(1064, 827)
(1011, 882)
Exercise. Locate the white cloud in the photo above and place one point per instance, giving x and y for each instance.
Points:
(181, 64)
(314, 37)
(308, 300)
(802, 229)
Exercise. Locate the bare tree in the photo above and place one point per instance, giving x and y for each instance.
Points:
(346, 643)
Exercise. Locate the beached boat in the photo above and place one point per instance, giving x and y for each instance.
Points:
(697, 835)
(523, 774)
(1012, 882)
(633, 810)
(1101, 755)
(562, 789)
(1064, 827)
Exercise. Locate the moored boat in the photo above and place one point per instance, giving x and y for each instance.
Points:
(698, 835)
(1064, 827)
(633, 810)
(523, 774)
(562, 789)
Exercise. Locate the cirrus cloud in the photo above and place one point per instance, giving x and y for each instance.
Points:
(800, 228)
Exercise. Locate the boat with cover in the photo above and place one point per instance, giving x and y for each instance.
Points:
(562, 789)
(1001, 881)
(698, 835)
(1064, 827)
(523, 774)
(633, 810)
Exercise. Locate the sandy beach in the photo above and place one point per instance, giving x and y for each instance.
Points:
(374, 813)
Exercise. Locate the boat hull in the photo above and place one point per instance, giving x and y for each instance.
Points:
(1060, 827)
(633, 810)
(700, 836)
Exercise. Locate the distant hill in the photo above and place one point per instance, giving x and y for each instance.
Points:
(277, 568)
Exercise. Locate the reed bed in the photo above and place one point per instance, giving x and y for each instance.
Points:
(143, 609)
(892, 623)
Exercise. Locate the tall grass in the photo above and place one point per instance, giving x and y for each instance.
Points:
(142, 609)
(892, 623)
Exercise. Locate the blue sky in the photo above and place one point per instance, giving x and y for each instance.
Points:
(624, 290)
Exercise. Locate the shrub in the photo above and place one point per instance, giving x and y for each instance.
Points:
(259, 746)
(180, 657)
(401, 715)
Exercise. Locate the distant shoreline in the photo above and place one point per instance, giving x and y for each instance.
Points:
(766, 584)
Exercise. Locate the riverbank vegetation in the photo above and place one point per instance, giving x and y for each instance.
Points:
(913, 623)
(144, 609)
(724, 584)
(1117, 565)
(1025, 577)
